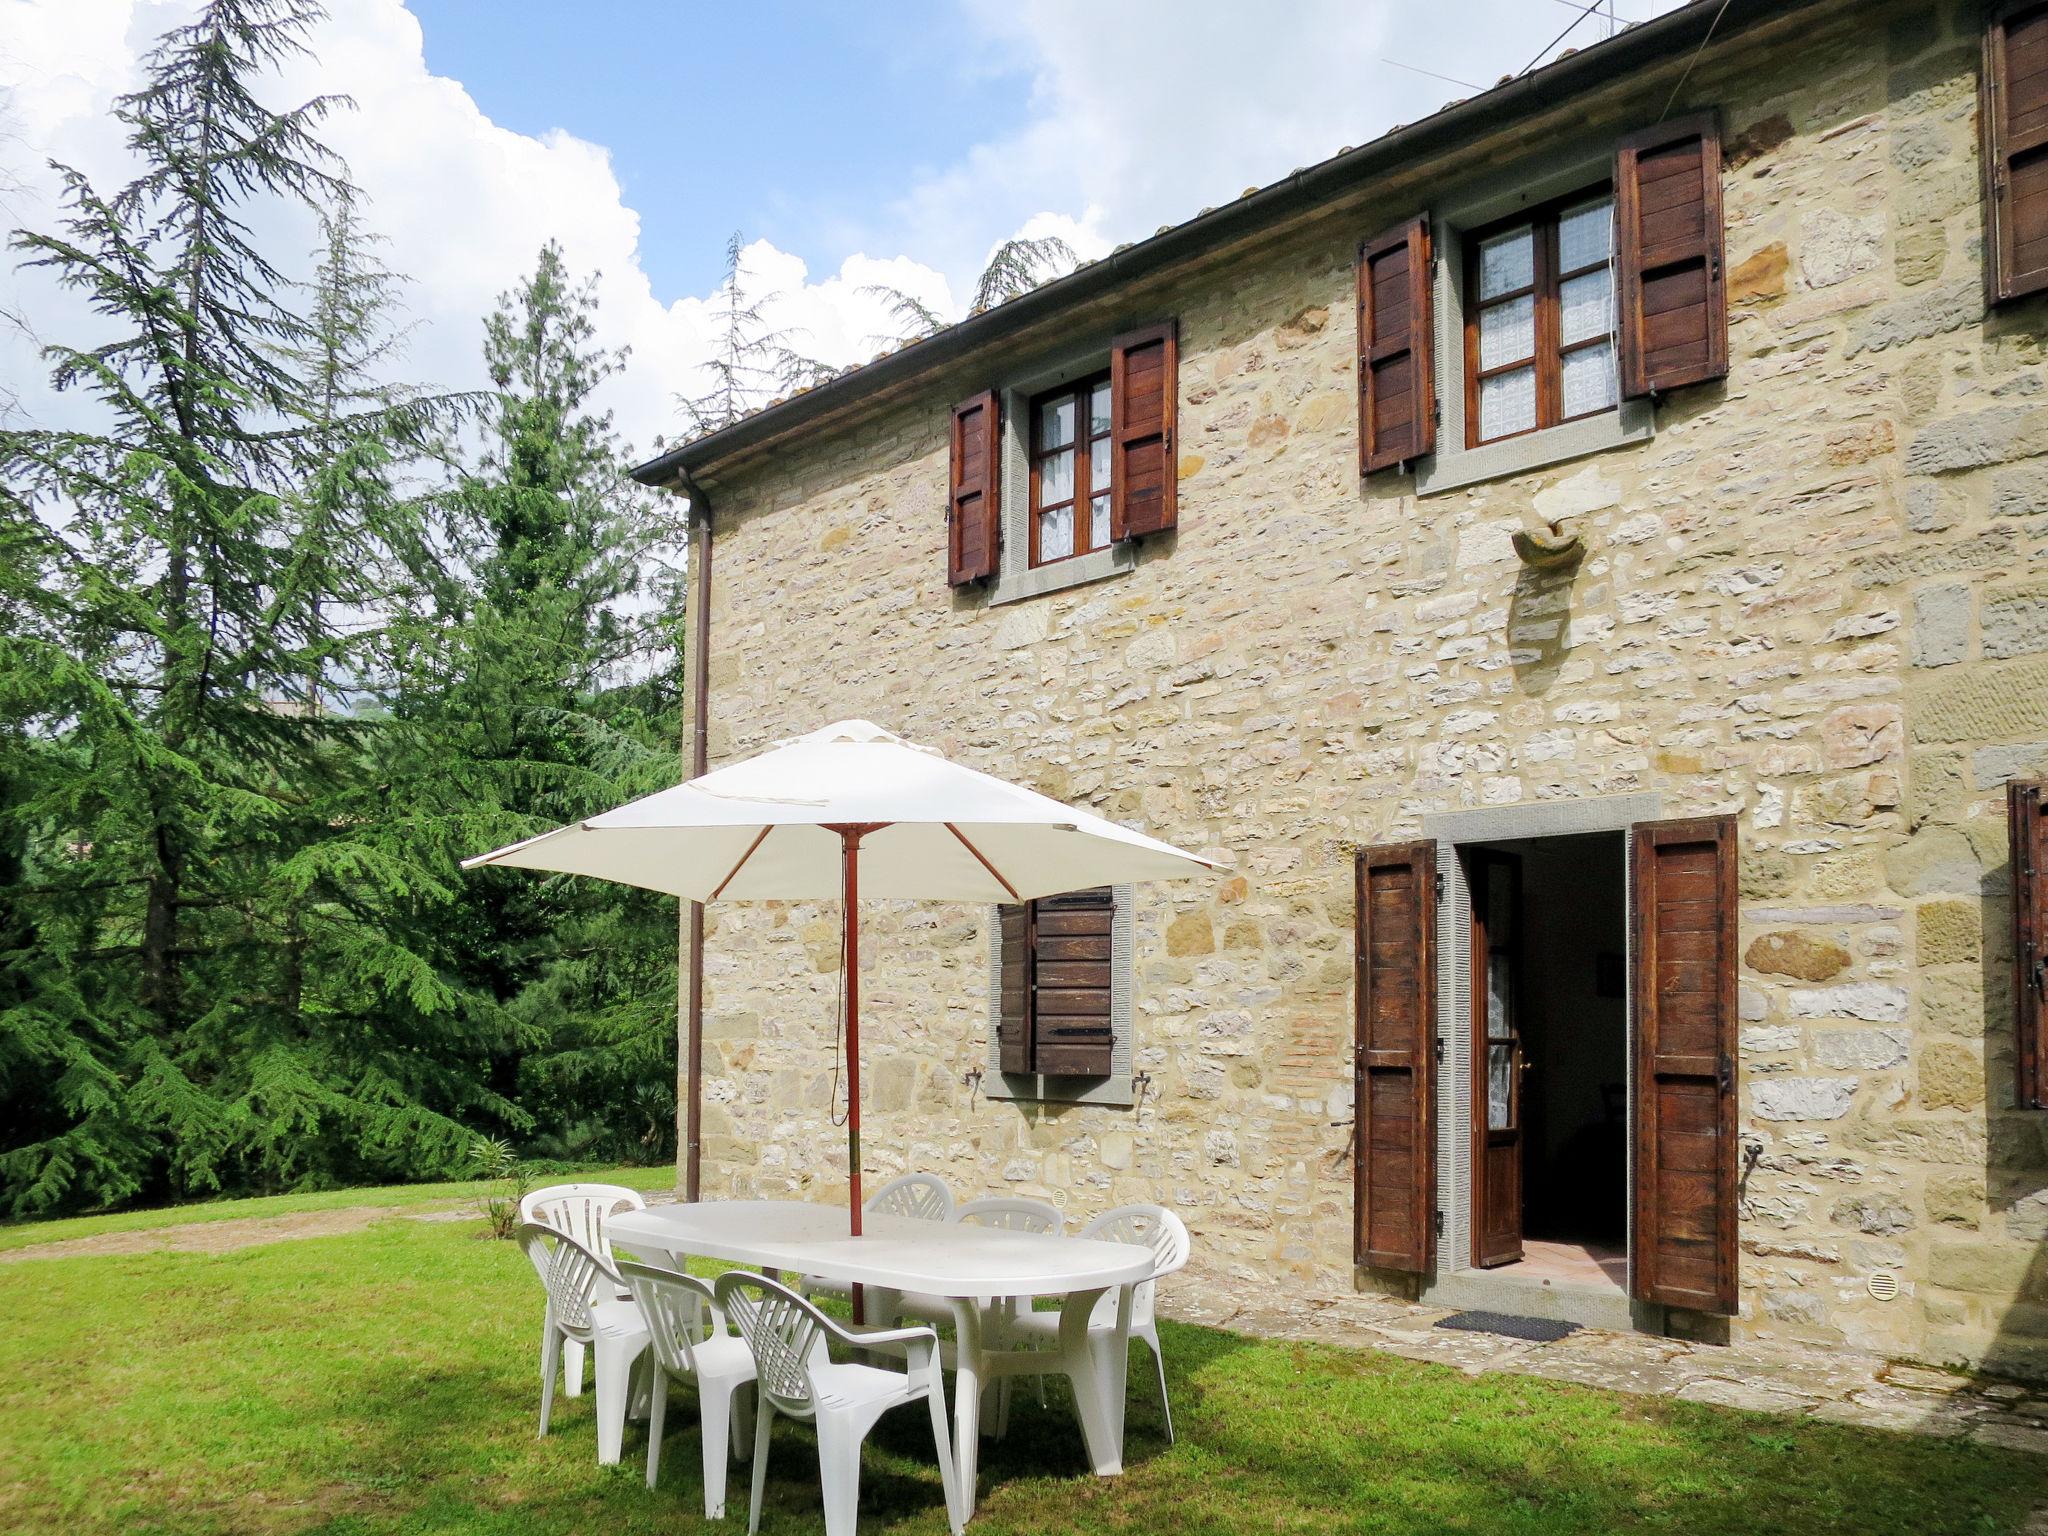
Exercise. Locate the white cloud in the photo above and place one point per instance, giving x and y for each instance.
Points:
(1138, 115)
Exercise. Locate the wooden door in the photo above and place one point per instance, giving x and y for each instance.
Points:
(1498, 1058)
(1394, 1161)
(1683, 906)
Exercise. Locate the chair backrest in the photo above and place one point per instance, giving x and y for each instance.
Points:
(572, 1272)
(784, 1331)
(1013, 1213)
(923, 1195)
(680, 1311)
(1146, 1226)
(581, 1210)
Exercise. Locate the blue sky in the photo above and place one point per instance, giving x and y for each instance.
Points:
(853, 145)
(790, 122)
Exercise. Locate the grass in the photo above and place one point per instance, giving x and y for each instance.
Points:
(384, 1382)
(27, 1233)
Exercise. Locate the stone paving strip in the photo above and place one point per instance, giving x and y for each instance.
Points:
(1840, 1386)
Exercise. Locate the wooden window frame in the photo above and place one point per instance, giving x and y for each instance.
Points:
(1085, 490)
(1547, 289)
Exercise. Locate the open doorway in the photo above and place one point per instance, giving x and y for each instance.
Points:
(1550, 1058)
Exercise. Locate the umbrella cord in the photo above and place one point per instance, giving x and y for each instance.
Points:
(832, 1110)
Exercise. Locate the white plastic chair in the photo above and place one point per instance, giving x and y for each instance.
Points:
(691, 1343)
(583, 1306)
(581, 1211)
(796, 1376)
(922, 1196)
(1145, 1226)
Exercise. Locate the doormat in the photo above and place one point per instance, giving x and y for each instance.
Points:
(1538, 1330)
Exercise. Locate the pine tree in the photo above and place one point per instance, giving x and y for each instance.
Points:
(1014, 268)
(544, 689)
(753, 359)
(187, 579)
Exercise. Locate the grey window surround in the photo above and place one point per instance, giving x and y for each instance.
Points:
(1114, 1091)
(1016, 578)
(1557, 173)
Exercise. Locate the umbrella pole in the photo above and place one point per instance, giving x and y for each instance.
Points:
(849, 900)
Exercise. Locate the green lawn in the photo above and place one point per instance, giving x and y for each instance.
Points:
(385, 1381)
(27, 1233)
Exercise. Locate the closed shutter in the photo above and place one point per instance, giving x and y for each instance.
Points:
(2027, 811)
(1144, 369)
(1682, 876)
(1013, 990)
(974, 500)
(1667, 219)
(2013, 107)
(1396, 367)
(1394, 1057)
(1070, 957)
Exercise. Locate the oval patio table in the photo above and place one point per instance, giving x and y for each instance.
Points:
(953, 1261)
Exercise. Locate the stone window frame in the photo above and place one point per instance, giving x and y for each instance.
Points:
(1115, 1091)
(1558, 173)
(1016, 578)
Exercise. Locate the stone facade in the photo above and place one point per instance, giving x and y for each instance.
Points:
(1815, 598)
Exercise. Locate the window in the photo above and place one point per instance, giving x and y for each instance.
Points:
(1070, 474)
(1539, 320)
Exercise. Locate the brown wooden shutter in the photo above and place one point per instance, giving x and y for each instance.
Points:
(1682, 876)
(2027, 813)
(2013, 131)
(1396, 352)
(1144, 370)
(1667, 222)
(1394, 1059)
(1070, 958)
(1013, 990)
(973, 533)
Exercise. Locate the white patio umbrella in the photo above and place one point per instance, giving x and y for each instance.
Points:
(847, 809)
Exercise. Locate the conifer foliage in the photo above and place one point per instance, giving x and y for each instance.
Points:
(272, 659)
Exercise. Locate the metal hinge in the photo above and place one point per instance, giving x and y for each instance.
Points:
(1439, 1223)
(1439, 885)
(1440, 1044)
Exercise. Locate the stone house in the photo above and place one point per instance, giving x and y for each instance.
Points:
(1577, 562)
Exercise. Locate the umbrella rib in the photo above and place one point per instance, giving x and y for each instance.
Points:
(743, 859)
(984, 861)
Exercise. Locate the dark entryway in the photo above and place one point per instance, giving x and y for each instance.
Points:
(1550, 1055)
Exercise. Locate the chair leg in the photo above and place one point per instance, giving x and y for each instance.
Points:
(572, 1367)
(657, 1420)
(714, 1423)
(550, 1361)
(743, 1420)
(949, 1474)
(763, 1411)
(839, 1441)
(615, 1362)
(1151, 1338)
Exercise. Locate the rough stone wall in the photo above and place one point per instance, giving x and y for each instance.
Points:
(1815, 599)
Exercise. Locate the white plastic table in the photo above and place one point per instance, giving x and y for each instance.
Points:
(955, 1261)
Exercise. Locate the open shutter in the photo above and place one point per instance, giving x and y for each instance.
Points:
(2027, 811)
(1396, 367)
(1394, 1058)
(1070, 961)
(2013, 109)
(1013, 990)
(972, 531)
(1682, 876)
(1144, 369)
(1667, 220)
